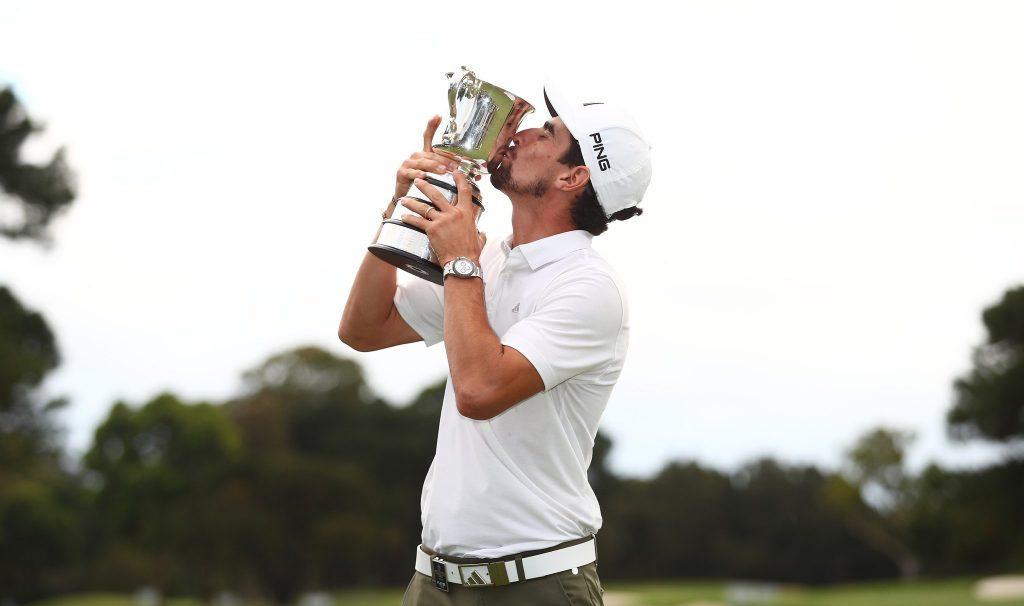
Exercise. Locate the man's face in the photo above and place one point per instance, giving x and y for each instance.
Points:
(530, 164)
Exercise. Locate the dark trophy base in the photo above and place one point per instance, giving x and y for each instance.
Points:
(406, 246)
(408, 262)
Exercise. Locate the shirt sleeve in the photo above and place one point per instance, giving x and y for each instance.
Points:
(574, 328)
(421, 305)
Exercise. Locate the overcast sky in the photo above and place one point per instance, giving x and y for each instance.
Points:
(837, 195)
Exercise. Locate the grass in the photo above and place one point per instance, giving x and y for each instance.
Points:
(368, 597)
(383, 597)
(957, 592)
(110, 599)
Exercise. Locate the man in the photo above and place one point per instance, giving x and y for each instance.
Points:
(535, 328)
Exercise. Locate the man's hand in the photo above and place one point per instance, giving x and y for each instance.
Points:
(450, 228)
(422, 162)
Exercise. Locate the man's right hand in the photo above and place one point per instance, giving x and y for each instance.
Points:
(422, 162)
(371, 320)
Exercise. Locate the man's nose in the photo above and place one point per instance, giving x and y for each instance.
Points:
(523, 136)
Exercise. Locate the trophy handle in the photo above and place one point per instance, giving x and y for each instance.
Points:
(483, 118)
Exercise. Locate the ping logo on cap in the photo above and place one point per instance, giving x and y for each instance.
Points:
(602, 158)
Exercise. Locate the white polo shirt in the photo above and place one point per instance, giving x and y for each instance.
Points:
(518, 481)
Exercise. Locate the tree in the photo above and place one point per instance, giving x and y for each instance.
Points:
(37, 532)
(786, 530)
(875, 465)
(35, 194)
(333, 470)
(40, 534)
(989, 401)
(969, 521)
(875, 493)
(28, 349)
(38, 499)
(159, 468)
(668, 526)
(28, 353)
(765, 521)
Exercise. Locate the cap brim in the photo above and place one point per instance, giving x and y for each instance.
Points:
(560, 106)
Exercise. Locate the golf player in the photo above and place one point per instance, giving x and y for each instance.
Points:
(535, 327)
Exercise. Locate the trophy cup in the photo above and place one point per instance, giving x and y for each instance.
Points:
(483, 120)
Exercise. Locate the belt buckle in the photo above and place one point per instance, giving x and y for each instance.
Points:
(483, 575)
(440, 576)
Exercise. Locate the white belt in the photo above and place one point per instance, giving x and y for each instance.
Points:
(482, 574)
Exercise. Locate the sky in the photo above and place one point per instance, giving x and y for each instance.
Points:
(837, 195)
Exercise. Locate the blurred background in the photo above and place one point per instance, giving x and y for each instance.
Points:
(826, 375)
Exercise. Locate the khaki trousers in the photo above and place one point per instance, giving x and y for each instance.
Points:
(562, 589)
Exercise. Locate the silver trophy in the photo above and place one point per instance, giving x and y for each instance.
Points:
(483, 120)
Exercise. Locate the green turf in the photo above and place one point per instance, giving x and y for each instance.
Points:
(368, 598)
(110, 599)
(931, 593)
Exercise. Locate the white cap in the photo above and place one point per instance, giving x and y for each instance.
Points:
(614, 148)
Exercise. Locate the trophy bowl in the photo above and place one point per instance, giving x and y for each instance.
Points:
(483, 120)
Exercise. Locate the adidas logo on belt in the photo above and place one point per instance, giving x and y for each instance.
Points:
(505, 571)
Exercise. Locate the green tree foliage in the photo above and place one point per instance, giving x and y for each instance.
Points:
(874, 493)
(312, 408)
(666, 527)
(787, 530)
(765, 521)
(34, 193)
(38, 499)
(307, 480)
(969, 521)
(28, 353)
(876, 465)
(989, 402)
(39, 536)
(159, 469)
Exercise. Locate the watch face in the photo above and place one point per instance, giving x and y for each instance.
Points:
(463, 267)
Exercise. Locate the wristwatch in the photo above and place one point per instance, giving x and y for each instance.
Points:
(462, 267)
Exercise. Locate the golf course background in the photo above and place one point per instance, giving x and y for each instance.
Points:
(307, 481)
(937, 593)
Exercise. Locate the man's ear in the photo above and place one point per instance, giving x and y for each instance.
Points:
(574, 179)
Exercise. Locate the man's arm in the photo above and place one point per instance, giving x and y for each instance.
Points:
(370, 320)
(488, 377)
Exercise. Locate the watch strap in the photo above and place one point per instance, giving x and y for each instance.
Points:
(449, 269)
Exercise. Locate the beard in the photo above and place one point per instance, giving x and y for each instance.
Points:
(501, 180)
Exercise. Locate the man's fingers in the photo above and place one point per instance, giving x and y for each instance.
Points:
(416, 221)
(411, 173)
(441, 203)
(465, 191)
(428, 134)
(432, 161)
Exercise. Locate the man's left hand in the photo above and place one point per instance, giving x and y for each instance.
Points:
(451, 228)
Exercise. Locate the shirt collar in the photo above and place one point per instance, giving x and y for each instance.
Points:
(539, 253)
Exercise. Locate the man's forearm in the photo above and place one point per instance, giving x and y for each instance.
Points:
(470, 342)
(370, 302)
(487, 377)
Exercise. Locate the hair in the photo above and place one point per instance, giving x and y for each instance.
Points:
(586, 211)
